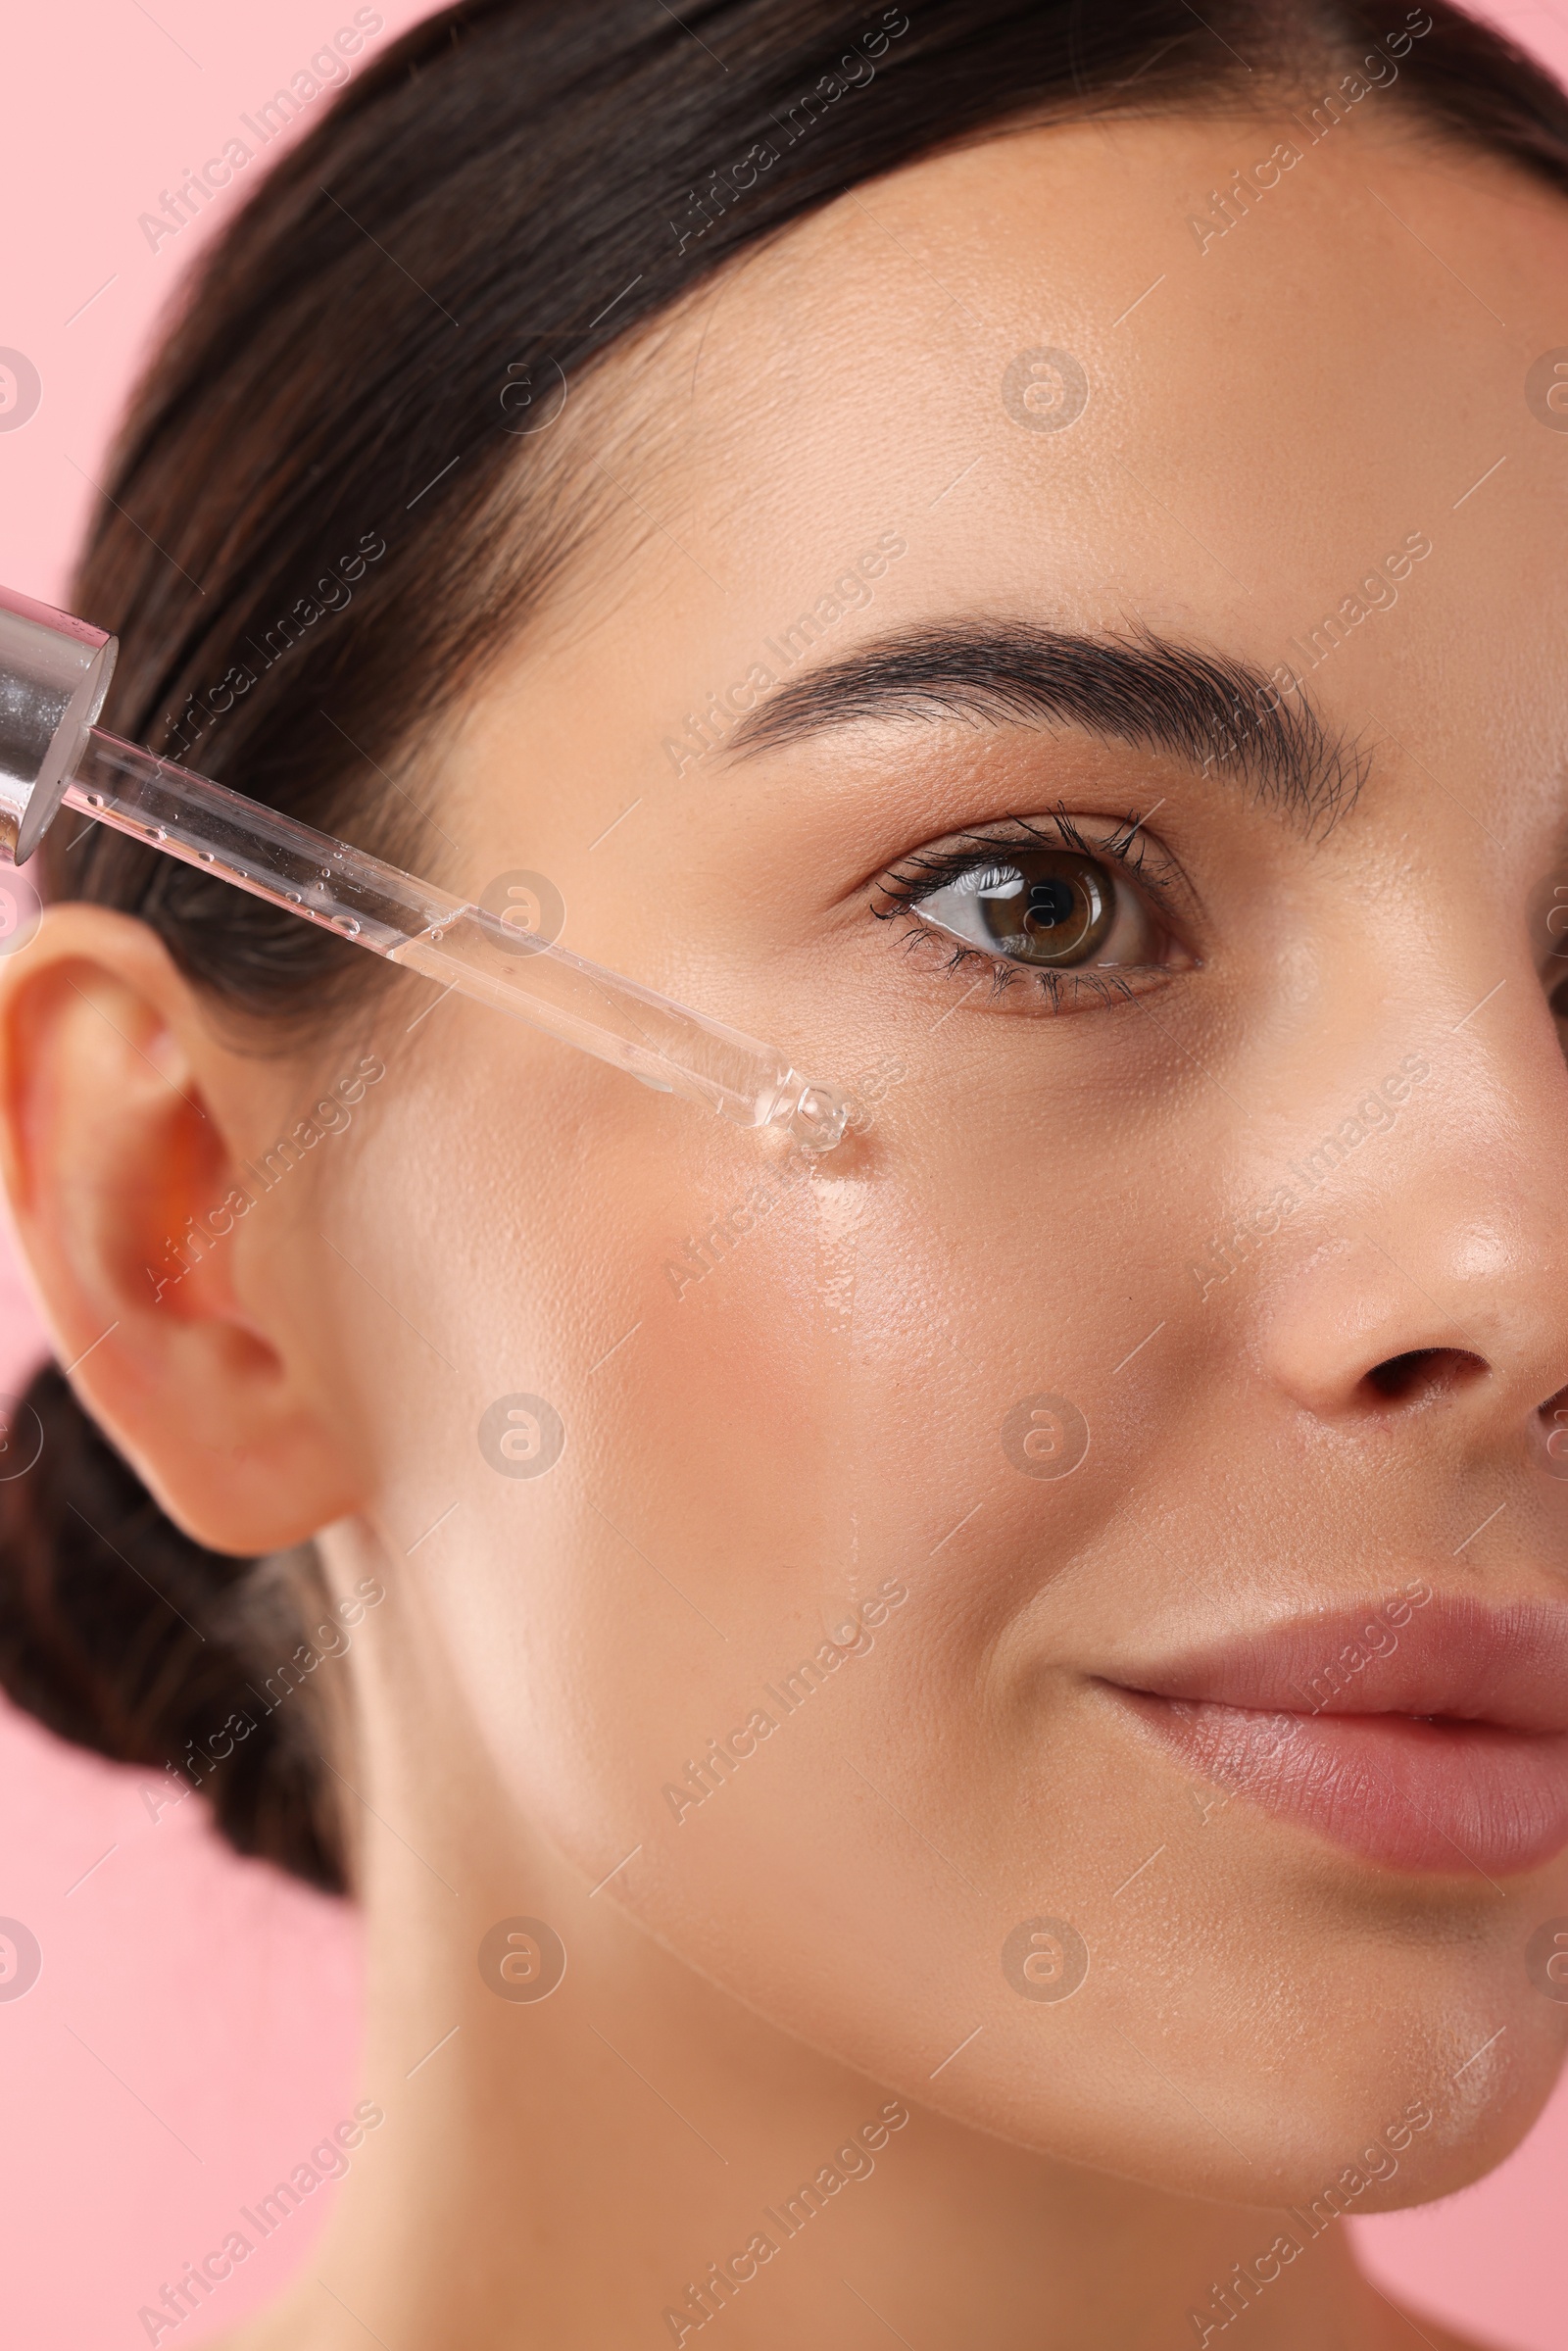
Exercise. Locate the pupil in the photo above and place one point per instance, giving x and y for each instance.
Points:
(1049, 902)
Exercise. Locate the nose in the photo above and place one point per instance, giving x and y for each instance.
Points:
(1429, 1264)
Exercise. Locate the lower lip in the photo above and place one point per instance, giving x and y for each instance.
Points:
(1460, 1798)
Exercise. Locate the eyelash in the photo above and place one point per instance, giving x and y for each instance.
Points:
(902, 888)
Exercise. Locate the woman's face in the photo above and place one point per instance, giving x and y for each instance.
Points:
(978, 1556)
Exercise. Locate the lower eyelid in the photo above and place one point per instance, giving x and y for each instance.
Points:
(1102, 982)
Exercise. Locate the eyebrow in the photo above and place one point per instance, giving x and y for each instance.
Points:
(1213, 712)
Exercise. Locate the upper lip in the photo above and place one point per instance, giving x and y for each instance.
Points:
(1459, 1660)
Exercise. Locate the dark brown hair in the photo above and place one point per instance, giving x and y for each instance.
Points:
(492, 203)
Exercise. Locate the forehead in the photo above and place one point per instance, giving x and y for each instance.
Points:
(1211, 372)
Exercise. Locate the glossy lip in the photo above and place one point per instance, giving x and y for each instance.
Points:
(1447, 1751)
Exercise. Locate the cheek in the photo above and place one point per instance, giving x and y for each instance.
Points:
(849, 1393)
(810, 1419)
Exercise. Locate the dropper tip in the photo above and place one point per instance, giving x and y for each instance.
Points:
(820, 1118)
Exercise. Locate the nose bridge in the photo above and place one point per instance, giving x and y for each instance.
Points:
(1432, 1205)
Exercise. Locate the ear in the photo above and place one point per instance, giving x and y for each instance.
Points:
(120, 1119)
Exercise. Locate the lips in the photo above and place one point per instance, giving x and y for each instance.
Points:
(1424, 1734)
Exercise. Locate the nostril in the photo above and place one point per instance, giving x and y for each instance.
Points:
(1421, 1374)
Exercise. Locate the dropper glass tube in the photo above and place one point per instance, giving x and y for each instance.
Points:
(446, 939)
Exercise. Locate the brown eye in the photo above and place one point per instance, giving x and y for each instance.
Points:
(1048, 906)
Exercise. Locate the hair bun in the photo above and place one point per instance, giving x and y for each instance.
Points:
(121, 1633)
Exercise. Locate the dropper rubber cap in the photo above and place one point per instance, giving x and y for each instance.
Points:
(54, 674)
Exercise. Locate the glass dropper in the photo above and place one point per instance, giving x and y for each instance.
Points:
(362, 899)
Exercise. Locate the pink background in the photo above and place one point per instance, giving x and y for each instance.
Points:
(193, 2031)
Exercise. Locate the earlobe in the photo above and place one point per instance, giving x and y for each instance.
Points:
(114, 1156)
